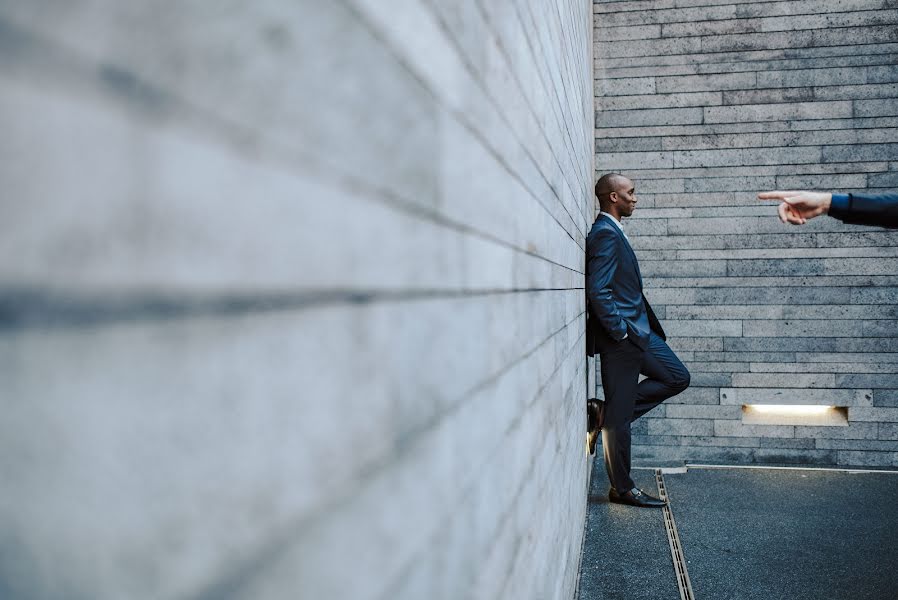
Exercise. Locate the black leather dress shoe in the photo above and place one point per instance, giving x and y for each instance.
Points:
(595, 419)
(635, 497)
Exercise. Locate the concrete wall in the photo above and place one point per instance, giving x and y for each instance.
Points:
(291, 298)
(704, 103)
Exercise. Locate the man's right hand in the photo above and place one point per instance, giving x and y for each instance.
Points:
(799, 206)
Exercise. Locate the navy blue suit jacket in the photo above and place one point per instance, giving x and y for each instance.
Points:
(617, 305)
(866, 209)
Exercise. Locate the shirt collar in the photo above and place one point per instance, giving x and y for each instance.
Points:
(616, 222)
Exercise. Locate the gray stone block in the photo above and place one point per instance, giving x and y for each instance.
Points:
(866, 367)
(784, 380)
(619, 14)
(874, 445)
(874, 295)
(822, 359)
(793, 443)
(716, 367)
(711, 380)
(618, 145)
(854, 431)
(660, 101)
(621, 160)
(615, 34)
(694, 427)
(811, 78)
(875, 108)
(869, 238)
(888, 431)
(683, 268)
(735, 428)
(791, 395)
(834, 182)
(702, 83)
(696, 441)
(768, 96)
(652, 48)
(650, 117)
(695, 395)
(868, 152)
(778, 112)
(812, 344)
(883, 180)
(867, 459)
(783, 357)
(885, 397)
(795, 456)
(694, 411)
(797, 39)
(856, 92)
(624, 86)
(868, 381)
(696, 343)
(725, 184)
(886, 73)
(874, 414)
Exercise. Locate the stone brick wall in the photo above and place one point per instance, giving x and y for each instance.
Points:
(704, 103)
(291, 299)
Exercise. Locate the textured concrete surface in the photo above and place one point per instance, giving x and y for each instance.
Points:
(291, 298)
(746, 535)
(787, 534)
(626, 555)
(705, 103)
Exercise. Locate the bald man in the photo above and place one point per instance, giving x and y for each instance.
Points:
(626, 335)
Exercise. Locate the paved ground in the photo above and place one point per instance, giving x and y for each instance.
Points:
(747, 535)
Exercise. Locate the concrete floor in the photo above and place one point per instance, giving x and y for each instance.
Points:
(746, 535)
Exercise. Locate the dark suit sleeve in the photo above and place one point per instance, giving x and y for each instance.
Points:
(602, 262)
(865, 209)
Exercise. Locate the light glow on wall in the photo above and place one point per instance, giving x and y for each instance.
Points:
(794, 414)
(791, 409)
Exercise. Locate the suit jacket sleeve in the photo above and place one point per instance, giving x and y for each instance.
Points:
(601, 264)
(865, 209)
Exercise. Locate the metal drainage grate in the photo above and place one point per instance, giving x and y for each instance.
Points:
(673, 538)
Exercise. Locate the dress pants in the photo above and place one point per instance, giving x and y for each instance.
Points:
(627, 399)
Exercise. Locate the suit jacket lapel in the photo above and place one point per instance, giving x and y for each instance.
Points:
(620, 232)
(632, 254)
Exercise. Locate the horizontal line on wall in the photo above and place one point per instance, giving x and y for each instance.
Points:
(130, 90)
(638, 177)
(599, 28)
(826, 469)
(705, 55)
(808, 101)
(612, 7)
(35, 309)
(759, 61)
(862, 124)
(730, 57)
(258, 558)
(478, 77)
(758, 147)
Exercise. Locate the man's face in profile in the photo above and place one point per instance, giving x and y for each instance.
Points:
(626, 197)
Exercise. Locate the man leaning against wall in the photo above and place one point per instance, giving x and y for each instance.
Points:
(627, 336)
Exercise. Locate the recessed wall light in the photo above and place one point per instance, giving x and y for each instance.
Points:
(794, 414)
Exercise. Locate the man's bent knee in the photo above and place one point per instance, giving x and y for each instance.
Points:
(680, 381)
